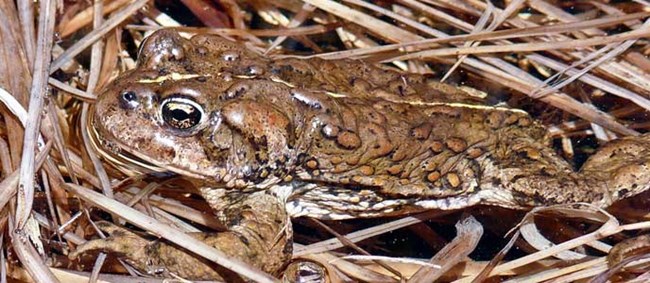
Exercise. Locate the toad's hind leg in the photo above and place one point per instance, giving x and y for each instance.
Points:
(535, 175)
(259, 233)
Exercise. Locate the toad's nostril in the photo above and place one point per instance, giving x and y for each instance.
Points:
(129, 96)
(129, 100)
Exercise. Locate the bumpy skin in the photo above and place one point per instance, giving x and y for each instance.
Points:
(337, 139)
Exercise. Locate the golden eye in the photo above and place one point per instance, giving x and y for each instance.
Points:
(181, 113)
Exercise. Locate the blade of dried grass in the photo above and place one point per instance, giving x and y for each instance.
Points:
(381, 28)
(29, 257)
(638, 60)
(296, 21)
(85, 17)
(619, 70)
(72, 276)
(605, 275)
(349, 243)
(59, 141)
(556, 77)
(557, 13)
(437, 14)
(93, 77)
(622, 47)
(569, 128)
(25, 194)
(5, 158)
(97, 266)
(353, 270)
(204, 11)
(494, 35)
(593, 81)
(21, 244)
(159, 214)
(3, 262)
(610, 10)
(485, 271)
(248, 33)
(398, 18)
(525, 47)
(535, 238)
(26, 17)
(627, 73)
(587, 211)
(50, 225)
(110, 58)
(357, 236)
(150, 224)
(9, 184)
(373, 258)
(469, 232)
(575, 272)
(177, 208)
(478, 27)
(97, 33)
(79, 94)
(50, 202)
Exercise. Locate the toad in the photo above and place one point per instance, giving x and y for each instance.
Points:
(265, 140)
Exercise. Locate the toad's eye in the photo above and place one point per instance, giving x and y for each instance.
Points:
(181, 113)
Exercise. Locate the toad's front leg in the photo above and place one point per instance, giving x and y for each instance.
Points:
(259, 233)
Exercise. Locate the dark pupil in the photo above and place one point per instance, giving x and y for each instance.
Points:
(181, 115)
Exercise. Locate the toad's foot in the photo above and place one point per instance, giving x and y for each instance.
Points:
(260, 239)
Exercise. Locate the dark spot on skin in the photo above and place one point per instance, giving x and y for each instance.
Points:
(261, 158)
(623, 192)
(301, 158)
(522, 154)
(516, 178)
(288, 248)
(243, 239)
(279, 172)
(546, 172)
(236, 91)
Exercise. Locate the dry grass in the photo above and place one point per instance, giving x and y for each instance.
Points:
(579, 66)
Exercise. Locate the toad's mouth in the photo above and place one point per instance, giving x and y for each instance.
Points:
(117, 155)
(127, 160)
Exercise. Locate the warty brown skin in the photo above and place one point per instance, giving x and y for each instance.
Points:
(334, 139)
